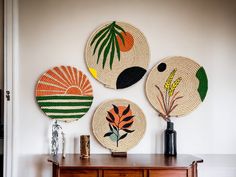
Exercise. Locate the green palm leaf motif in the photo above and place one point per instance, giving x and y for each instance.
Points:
(106, 43)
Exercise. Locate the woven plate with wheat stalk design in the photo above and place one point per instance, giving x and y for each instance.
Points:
(117, 54)
(176, 86)
(118, 124)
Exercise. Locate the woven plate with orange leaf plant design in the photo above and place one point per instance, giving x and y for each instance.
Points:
(118, 124)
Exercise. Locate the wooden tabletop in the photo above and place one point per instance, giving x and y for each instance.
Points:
(132, 160)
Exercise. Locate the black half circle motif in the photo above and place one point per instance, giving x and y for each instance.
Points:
(129, 77)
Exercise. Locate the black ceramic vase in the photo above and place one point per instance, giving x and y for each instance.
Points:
(170, 148)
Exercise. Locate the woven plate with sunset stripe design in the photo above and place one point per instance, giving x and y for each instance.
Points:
(64, 93)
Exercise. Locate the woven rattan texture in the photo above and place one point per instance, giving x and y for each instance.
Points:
(132, 122)
(64, 93)
(172, 86)
(135, 56)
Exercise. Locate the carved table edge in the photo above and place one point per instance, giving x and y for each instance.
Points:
(54, 161)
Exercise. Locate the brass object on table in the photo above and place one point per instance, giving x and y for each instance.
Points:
(84, 146)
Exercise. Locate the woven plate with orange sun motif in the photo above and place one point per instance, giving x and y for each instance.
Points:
(64, 93)
(117, 54)
(119, 124)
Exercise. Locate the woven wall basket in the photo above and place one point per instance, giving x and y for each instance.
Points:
(176, 86)
(117, 55)
(64, 93)
(118, 125)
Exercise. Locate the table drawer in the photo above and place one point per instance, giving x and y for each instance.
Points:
(78, 173)
(167, 173)
(123, 173)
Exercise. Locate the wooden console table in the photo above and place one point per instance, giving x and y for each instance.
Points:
(134, 165)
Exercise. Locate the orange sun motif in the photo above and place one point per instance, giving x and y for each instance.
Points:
(64, 80)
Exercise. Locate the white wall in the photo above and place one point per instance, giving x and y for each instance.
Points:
(54, 32)
(1, 43)
(1, 62)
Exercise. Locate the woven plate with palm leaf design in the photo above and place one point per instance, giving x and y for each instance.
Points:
(176, 86)
(117, 54)
(118, 124)
(64, 93)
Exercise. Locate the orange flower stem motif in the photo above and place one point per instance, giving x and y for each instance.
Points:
(120, 119)
(118, 132)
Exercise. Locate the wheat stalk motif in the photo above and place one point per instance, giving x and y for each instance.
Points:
(168, 100)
